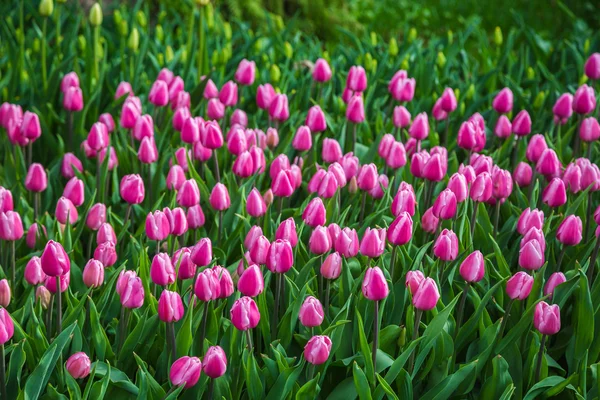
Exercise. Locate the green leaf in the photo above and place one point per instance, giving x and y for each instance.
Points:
(253, 380)
(364, 349)
(515, 333)
(184, 336)
(584, 324)
(310, 390)
(38, 379)
(386, 387)
(360, 382)
(540, 387)
(446, 387)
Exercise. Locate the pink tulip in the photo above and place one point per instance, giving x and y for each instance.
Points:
(302, 139)
(563, 108)
(531, 255)
(251, 282)
(314, 213)
(278, 109)
(315, 119)
(66, 211)
(162, 271)
(280, 256)
(244, 314)
(472, 268)
(264, 96)
(69, 163)
(185, 371)
(93, 274)
(34, 274)
(503, 127)
(130, 290)
(481, 189)
(183, 259)
(401, 117)
(444, 206)
(132, 189)
(188, 194)
(584, 100)
(374, 285)
(521, 124)
(170, 306)
(105, 233)
(503, 102)
(554, 280)
(320, 241)
(321, 71)
(426, 296)
(519, 286)
(592, 67)
(347, 243)
(355, 112)
(78, 365)
(73, 99)
(36, 180)
(546, 318)
(446, 246)
(332, 266)
(214, 363)
(317, 350)
(569, 232)
(245, 72)
(332, 151)
(589, 130)
(530, 219)
(373, 242)
(74, 191)
(555, 194)
(311, 312)
(414, 280)
(523, 174)
(357, 79)
(207, 286)
(202, 253)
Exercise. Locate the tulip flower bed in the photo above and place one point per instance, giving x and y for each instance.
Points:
(177, 221)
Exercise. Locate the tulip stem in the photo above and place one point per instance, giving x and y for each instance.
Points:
(3, 373)
(375, 337)
(204, 319)
(58, 306)
(445, 139)
(354, 137)
(393, 263)
(276, 308)
(538, 367)
(415, 335)
(280, 206)
(592, 264)
(461, 308)
(216, 160)
(249, 340)
(588, 216)
(171, 336)
(70, 129)
(474, 219)
(362, 206)
(220, 228)
(150, 185)
(515, 152)
(505, 319)
(49, 315)
(12, 266)
(531, 185)
(44, 44)
(496, 216)
(211, 387)
(36, 205)
(560, 257)
(327, 287)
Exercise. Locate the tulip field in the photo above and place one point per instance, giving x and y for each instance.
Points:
(195, 207)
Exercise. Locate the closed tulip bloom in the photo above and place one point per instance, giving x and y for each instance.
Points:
(280, 163)
(69, 162)
(385, 144)
(374, 285)
(131, 292)
(472, 268)
(54, 283)
(228, 95)
(244, 75)
(347, 243)
(519, 286)
(78, 365)
(73, 99)
(190, 131)
(255, 204)
(434, 169)
(98, 137)
(503, 102)
(548, 164)
(414, 280)
(332, 151)
(400, 231)
(260, 249)
(124, 88)
(592, 67)
(584, 100)
(523, 174)
(531, 255)
(113, 161)
(401, 117)
(264, 96)
(159, 93)
(446, 246)
(338, 171)
(215, 110)
(404, 200)
(357, 79)
(144, 127)
(530, 219)
(315, 119)
(448, 100)
(162, 271)
(311, 312)
(589, 130)
(397, 156)
(373, 242)
(379, 190)
(279, 110)
(33, 233)
(36, 179)
(280, 256)
(563, 108)
(43, 295)
(69, 80)
(202, 252)
(165, 75)
(185, 371)
(481, 189)
(537, 234)
(244, 314)
(314, 214)
(207, 286)
(188, 194)
(178, 222)
(426, 296)
(182, 261)
(597, 215)
(4, 293)
(74, 191)
(132, 189)
(419, 129)
(177, 91)
(332, 266)
(315, 181)
(7, 328)
(284, 184)
(157, 225)
(34, 275)
(444, 206)
(320, 241)
(106, 254)
(130, 111)
(251, 282)
(236, 142)
(211, 136)
(238, 117)
(537, 145)
(96, 216)
(546, 318)
(521, 124)
(503, 128)
(66, 211)
(254, 233)
(106, 233)
(219, 197)
(555, 279)
(272, 138)
(459, 186)
(181, 115)
(214, 363)
(93, 274)
(502, 184)
(170, 306)
(555, 193)
(350, 164)
(225, 281)
(367, 177)
(355, 112)
(466, 138)
(243, 166)
(569, 232)
(317, 350)
(321, 71)
(572, 178)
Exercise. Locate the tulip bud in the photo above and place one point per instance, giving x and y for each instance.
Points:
(311, 312)
(130, 290)
(4, 293)
(244, 314)
(546, 318)
(373, 242)
(519, 286)
(555, 279)
(374, 286)
(523, 174)
(214, 363)
(34, 275)
(317, 350)
(46, 7)
(251, 282)
(96, 15)
(185, 371)
(43, 295)
(36, 179)
(555, 194)
(280, 257)
(426, 296)
(446, 246)
(79, 364)
(400, 231)
(54, 283)
(531, 255)
(106, 254)
(93, 274)
(569, 232)
(54, 259)
(170, 306)
(132, 189)
(444, 206)
(472, 268)
(414, 280)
